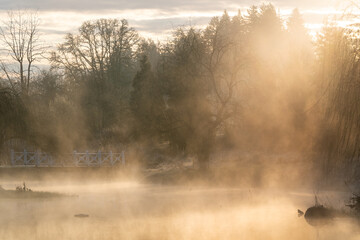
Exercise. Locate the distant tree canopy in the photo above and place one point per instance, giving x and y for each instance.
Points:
(101, 61)
(13, 116)
(251, 82)
(211, 84)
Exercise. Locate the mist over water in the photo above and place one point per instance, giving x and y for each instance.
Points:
(130, 210)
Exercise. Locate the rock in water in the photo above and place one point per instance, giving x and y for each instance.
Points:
(300, 213)
(81, 215)
(319, 215)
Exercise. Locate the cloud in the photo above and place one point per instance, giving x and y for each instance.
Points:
(158, 25)
(105, 5)
(168, 5)
(155, 18)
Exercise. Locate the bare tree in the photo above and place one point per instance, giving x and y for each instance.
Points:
(102, 48)
(22, 47)
(101, 59)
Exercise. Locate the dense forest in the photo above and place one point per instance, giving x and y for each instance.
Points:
(256, 82)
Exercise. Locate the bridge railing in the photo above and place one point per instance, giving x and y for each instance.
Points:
(98, 158)
(76, 159)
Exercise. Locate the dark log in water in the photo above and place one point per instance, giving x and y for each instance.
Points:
(319, 215)
(81, 215)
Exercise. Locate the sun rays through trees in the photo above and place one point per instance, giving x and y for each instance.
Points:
(252, 82)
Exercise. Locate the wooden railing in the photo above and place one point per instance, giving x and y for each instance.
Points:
(76, 159)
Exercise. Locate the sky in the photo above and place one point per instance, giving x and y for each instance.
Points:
(156, 19)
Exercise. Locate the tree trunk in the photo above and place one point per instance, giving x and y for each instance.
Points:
(22, 82)
(203, 160)
(28, 78)
(204, 154)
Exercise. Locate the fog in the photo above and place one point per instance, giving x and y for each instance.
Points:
(127, 206)
(223, 131)
(130, 210)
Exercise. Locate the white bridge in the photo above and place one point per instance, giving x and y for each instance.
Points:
(76, 159)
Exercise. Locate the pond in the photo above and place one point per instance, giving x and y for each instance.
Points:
(129, 210)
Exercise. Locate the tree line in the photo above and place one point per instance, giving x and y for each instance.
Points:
(254, 82)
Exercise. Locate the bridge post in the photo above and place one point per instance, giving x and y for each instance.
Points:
(87, 158)
(99, 158)
(37, 158)
(75, 159)
(25, 157)
(12, 157)
(49, 160)
(123, 158)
